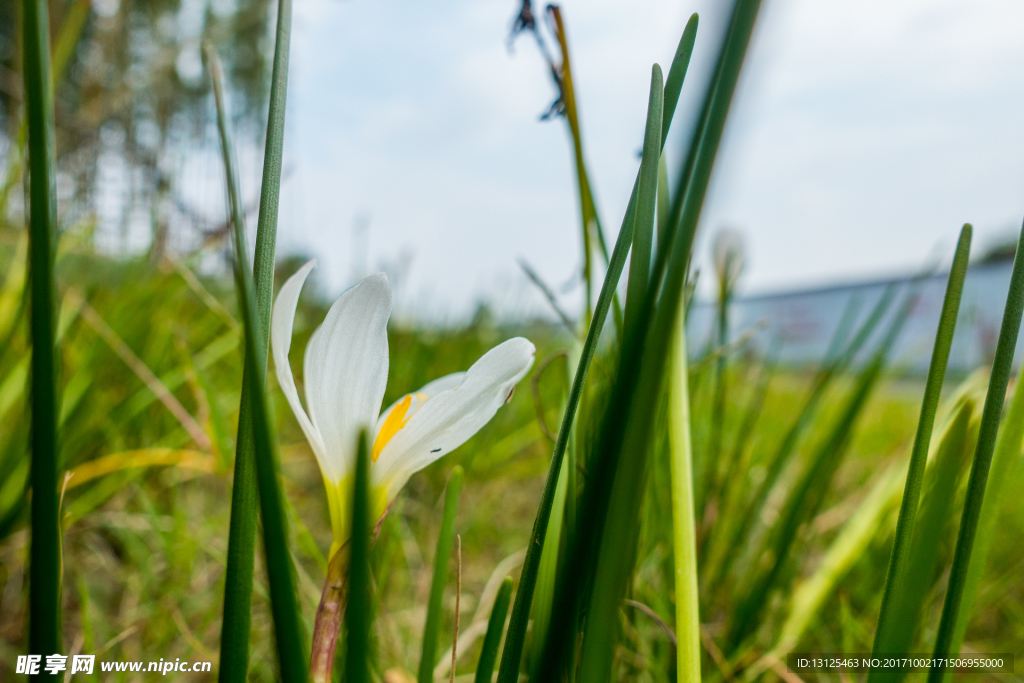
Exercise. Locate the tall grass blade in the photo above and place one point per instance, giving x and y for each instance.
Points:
(613, 495)
(432, 628)
(45, 549)
(358, 613)
(611, 573)
(495, 626)
(1001, 367)
(238, 576)
(643, 225)
(508, 670)
(684, 523)
(931, 529)
(280, 568)
(895, 580)
(1006, 459)
(588, 211)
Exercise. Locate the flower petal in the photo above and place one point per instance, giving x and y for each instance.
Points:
(427, 391)
(452, 416)
(346, 370)
(281, 325)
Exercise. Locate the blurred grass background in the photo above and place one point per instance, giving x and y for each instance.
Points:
(145, 545)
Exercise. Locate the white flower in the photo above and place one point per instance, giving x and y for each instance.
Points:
(345, 372)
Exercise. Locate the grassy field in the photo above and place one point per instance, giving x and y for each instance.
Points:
(145, 518)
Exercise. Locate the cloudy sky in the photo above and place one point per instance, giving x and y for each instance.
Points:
(863, 135)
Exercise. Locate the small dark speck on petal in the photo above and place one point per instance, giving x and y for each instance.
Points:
(510, 392)
(435, 450)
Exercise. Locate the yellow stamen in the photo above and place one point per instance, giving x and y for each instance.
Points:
(395, 421)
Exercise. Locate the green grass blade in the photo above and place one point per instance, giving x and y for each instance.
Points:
(612, 496)
(280, 568)
(643, 226)
(547, 576)
(431, 630)
(495, 626)
(358, 614)
(1006, 459)
(610, 579)
(508, 670)
(238, 577)
(45, 549)
(930, 530)
(895, 579)
(684, 524)
(1001, 367)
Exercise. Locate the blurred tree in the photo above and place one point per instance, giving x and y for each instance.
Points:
(133, 95)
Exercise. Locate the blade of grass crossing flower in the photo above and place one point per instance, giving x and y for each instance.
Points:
(684, 525)
(915, 473)
(495, 626)
(508, 670)
(358, 613)
(432, 627)
(612, 496)
(280, 569)
(1006, 459)
(1000, 377)
(45, 549)
(238, 582)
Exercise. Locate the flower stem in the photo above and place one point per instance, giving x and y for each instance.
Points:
(329, 615)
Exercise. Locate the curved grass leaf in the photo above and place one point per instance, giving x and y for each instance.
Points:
(238, 577)
(895, 580)
(45, 549)
(1000, 378)
(280, 568)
